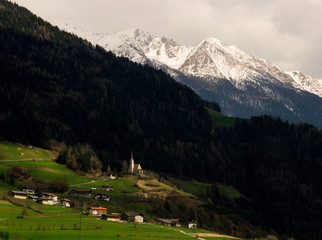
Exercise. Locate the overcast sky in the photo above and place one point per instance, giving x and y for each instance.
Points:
(287, 33)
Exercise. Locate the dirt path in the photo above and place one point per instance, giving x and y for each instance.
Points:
(191, 235)
(213, 235)
(85, 183)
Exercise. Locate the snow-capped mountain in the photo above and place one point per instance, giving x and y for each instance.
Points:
(243, 85)
(306, 82)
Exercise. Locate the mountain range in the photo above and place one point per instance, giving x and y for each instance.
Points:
(242, 84)
(61, 92)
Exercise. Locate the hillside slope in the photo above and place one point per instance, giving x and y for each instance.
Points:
(72, 92)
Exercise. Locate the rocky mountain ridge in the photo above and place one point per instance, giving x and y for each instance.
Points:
(244, 85)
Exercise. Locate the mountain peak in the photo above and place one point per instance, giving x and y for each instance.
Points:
(211, 59)
(212, 40)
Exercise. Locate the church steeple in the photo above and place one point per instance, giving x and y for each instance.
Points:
(131, 165)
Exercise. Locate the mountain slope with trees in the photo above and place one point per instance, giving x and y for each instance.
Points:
(56, 87)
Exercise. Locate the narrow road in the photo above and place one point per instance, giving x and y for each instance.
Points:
(85, 183)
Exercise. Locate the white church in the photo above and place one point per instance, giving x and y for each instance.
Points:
(134, 168)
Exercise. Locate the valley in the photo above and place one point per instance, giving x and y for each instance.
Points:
(78, 113)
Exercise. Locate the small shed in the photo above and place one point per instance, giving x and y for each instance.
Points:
(115, 217)
(97, 211)
(29, 190)
(110, 175)
(132, 217)
(192, 225)
(65, 202)
(18, 194)
(81, 193)
(102, 197)
(169, 222)
(107, 188)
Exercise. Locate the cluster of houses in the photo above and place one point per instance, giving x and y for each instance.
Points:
(52, 199)
(101, 212)
(42, 198)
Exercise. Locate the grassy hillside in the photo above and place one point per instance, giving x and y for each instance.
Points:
(220, 119)
(200, 189)
(52, 222)
(11, 151)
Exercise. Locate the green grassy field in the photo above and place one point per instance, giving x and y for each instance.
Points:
(193, 187)
(11, 211)
(86, 227)
(199, 189)
(10, 151)
(220, 119)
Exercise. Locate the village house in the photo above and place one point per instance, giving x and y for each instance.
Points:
(65, 202)
(110, 175)
(97, 211)
(107, 188)
(132, 217)
(33, 198)
(168, 222)
(102, 197)
(18, 194)
(29, 190)
(81, 193)
(46, 201)
(192, 225)
(134, 168)
(115, 217)
(48, 196)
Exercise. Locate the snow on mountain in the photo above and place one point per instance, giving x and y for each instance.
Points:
(306, 82)
(211, 58)
(244, 85)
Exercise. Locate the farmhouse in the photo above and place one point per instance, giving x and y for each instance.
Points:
(49, 196)
(115, 217)
(65, 202)
(168, 222)
(132, 217)
(29, 190)
(97, 211)
(18, 194)
(102, 197)
(134, 167)
(46, 201)
(107, 188)
(81, 193)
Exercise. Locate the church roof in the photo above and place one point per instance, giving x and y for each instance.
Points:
(137, 166)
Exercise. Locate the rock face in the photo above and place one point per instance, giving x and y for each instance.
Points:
(243, 85)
